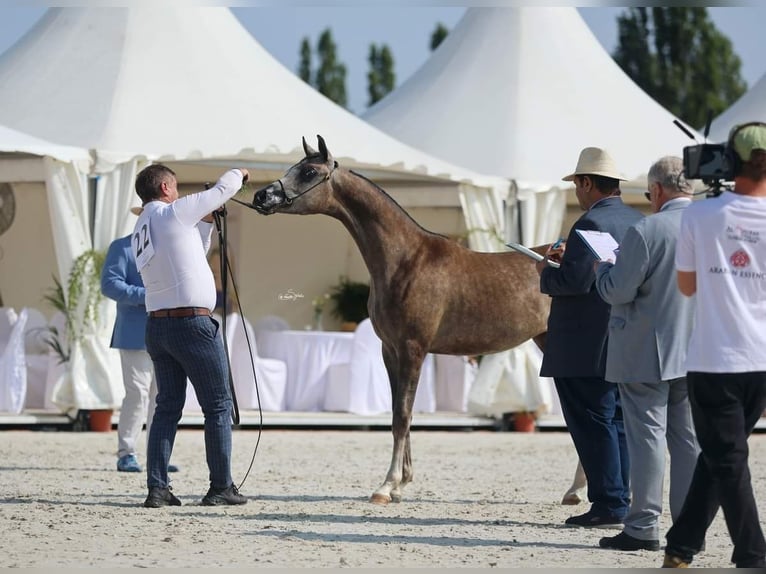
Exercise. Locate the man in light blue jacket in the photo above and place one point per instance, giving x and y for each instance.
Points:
(121, 282)
(649, 329)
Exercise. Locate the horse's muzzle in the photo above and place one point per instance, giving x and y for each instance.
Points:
(269, 198)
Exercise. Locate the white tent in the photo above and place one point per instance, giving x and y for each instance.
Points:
(751, 107)
(190, 87)
(518, 92)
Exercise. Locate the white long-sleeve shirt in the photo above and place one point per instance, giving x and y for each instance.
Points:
(170, 244)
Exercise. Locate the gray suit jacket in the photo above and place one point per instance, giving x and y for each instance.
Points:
(650, 321)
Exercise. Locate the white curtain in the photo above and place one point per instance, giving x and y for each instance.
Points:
(507, 381)
(542, 215)
(93, 378)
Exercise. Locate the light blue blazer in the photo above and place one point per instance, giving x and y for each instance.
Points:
(121, 281)
(650, 321)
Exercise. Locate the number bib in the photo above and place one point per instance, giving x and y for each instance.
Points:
(142, 246)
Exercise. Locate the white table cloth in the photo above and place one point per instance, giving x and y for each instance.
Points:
(308, 355)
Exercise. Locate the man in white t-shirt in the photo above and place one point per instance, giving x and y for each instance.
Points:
(170, 242)
(721, 256)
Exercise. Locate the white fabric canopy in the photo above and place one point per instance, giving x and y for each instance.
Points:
(160, 83)
(525, 89)
(751, 107)
(183, 83)
(14, 141)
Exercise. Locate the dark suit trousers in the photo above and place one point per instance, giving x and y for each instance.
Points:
(592, 411)
(725, 409)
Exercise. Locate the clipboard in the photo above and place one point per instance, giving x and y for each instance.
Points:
(531, 254)
(601, 244)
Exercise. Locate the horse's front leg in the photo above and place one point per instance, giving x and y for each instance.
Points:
(403, 376)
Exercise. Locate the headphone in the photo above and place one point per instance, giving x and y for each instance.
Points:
(730, 154)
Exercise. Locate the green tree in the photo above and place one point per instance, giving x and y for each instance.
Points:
(304, 65)
(381, 78)
(680, 59)
(331, 74)
(438, 35)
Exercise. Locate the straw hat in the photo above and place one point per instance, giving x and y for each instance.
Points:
(136, 210)
(595, 161)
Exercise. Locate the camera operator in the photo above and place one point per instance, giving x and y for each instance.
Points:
(721, 256)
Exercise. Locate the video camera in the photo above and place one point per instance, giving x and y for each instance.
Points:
(714, 164)
(709, 162)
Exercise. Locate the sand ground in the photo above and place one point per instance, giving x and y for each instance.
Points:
(479, 499)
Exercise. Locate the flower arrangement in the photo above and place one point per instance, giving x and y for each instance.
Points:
(318, 304)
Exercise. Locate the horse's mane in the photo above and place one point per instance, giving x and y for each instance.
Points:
(394, 203)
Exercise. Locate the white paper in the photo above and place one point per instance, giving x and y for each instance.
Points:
(601, 243)
(529, 253)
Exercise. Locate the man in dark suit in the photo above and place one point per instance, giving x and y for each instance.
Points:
(575, 348)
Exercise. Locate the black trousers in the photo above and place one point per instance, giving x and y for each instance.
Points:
(593, 413)
(725, 408)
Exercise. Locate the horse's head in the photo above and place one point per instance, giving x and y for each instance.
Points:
(300, 190)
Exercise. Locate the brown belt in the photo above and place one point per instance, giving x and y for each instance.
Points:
(181, 312)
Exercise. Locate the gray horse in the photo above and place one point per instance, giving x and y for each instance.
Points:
(427, 293)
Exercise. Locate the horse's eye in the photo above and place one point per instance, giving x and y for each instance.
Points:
(308, 173)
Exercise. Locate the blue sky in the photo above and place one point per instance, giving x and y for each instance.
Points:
(407, 31)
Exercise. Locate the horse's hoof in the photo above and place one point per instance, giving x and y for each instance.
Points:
(378, 498)
(396, 497)
(571, 498)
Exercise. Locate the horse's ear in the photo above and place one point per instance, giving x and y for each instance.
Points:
(307, 148)
(323, 149)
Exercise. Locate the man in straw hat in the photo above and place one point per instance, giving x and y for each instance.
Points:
(575, 348)
(121, 282)
(721, 256)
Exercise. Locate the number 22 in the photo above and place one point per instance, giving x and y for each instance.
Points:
(140, 246)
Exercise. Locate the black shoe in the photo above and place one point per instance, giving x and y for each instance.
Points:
(624, 541)
(220, 497)
(159, 496)
(592, 520)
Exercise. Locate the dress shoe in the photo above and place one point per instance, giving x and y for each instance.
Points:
(671, 561)
(221, 497)
(624, 541)
(159, 496)
(592, 520)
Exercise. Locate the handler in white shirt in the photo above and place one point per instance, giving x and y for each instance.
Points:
(170, 242)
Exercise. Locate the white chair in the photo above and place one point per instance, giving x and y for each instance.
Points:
(454, 376)
(269, 323)
(8, 318)
(362, 386)
(13, 369)
(270, 374)
(36, 335)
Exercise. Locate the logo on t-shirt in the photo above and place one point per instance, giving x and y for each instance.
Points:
(739, 259)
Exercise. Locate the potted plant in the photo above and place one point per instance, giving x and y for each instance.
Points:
(79, 302)
(349, 302)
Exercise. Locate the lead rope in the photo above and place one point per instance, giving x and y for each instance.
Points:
(219, 216)
(226, 271)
